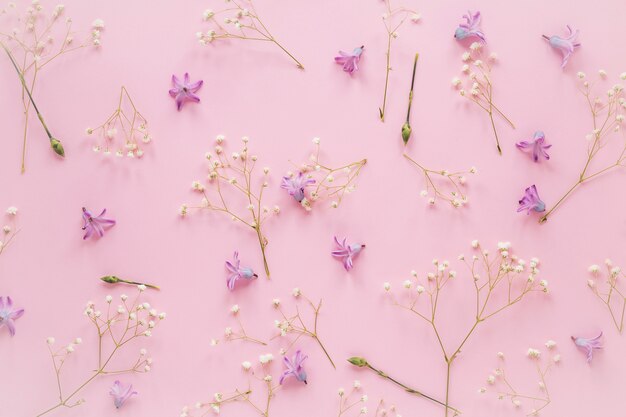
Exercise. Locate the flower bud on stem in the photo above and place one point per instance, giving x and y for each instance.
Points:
(112, 279)
(406, 127)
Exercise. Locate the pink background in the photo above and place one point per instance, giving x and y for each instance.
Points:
(253, 89)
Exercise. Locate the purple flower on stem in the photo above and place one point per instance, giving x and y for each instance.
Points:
(294, 367)
(121, 393)
(566, 45)
(96, 224)
(531, 201)
(8, 315)
(185, 91)
(588, 345)
(350, 61)
(537, 146)
(470, 29)
(237, 272)
(295, 185)
(346, 252)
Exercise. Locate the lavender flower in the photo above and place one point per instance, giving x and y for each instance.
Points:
(237, 272)
(346, 252)
(537, 146)
(121, 393)
(295, 185)
(294, 367)
(8, 315)
(350, 61)
(96, 224)
(588, 345)
(471, 28)
(531, 201)
(565, 45)
(185, 90)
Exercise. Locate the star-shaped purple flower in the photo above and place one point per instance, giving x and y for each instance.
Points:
(565, 45)
(237, 272)
(185, 90)
(531, 201)
(121, 393)
(95, 224)
(350, 60)
(346, 252)
(8, 314)
(588, 345)
(471, 27)
(295, 185)
(294, 367)
(537, 146)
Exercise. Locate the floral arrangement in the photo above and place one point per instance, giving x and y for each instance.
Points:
(9, 230)
(610, 292)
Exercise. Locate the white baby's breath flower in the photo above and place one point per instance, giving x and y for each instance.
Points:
(533, 353)
(234, 309)
(98, 24)
(12, 211)
(246, 365)
(387, 286)
(550, 344)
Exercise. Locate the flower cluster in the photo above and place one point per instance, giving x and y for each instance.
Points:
(9, 229)
(611, 292)
(123, 132)
(231, 334)
(353, 399)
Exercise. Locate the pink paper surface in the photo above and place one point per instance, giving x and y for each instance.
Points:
(253, 89)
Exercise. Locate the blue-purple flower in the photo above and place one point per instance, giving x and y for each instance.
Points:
(566, 45)
(537, 146)
(471, 28)
(294, 367)
(588, 345)
(295, 185)
(8, 314)
(184, 91)
(350, 60)
(531, 201)
(121, 393)
(237, 272)
(95, 224)
(346, 252)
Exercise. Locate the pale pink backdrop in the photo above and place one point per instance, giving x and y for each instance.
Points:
(254, 90)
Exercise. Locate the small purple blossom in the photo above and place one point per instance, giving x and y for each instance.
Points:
(565, 45)
(346, 252)
(588, 345)
(121, 393)
(236, 272)
(350, 61)
(295, 185)
(95, 224)
(537, 146)
(531, 201)
(294, 367)
(471, 28)
(185, 90)
(8, 314)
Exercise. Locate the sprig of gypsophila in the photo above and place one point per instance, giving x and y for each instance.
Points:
(295, 323)
(9, 230)
(611, 292)
(506, 391)
(234, 175)
(240, 334)
(455, 181)
(30, 46)
(130, 121)
(503, 276)
(607, 116)
(347, 402)
(116, 330)
(246, 25)
(393, 19)
(479, 85)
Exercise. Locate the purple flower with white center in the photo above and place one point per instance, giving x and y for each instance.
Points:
(294, 367)
(185, 90)
(350, 61)
(471, 28)
(346, 252)
(8, 314)
(537, 146)
(95, 224)
(588, 345)
(565, 45)
(121, 393)
(238, 272)
(531, 201)
(295, 185)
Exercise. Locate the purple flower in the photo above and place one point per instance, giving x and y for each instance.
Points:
(471, 28)
(121, 393)
(294, 367)
(295, 185)
(588, 345)
(350, 61)
(346, 252)
(237, 272)
(531, 201)
(537, 146)
(184, 91)
(96, 224)
(566, 45)
(8, 315)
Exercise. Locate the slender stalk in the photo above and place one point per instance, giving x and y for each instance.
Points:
(381, 110)
(406, 128)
